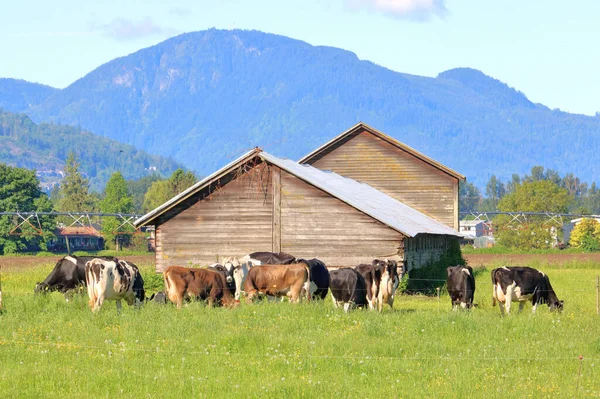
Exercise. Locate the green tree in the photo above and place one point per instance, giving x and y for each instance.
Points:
(74, 189)
(163, 190)
(470, 197)
(531, 231)
(586, 235)
(19, 191)
(116, 200)
(138, 188)
(494, 191)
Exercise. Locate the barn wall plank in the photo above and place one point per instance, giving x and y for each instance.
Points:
(369, 159)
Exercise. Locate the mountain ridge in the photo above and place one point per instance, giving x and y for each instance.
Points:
(205, 97)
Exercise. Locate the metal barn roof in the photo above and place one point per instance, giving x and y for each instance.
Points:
(365, 198)
(360, 196)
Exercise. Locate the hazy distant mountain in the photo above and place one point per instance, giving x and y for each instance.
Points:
(45, 148)
(205, 97)
(19, 95)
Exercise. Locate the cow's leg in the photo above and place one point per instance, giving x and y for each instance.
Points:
(509, 295)
(346, 307)
(501, 305)
(534, 308)
(463, 305)
(521, 306)
(119, 306)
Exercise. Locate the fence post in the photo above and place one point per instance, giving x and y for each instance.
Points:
(598, 295)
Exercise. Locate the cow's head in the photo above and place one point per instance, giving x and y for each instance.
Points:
(41, 288)
(558, 305)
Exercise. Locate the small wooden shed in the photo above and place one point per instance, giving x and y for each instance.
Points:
(261, 202)
(369, 156)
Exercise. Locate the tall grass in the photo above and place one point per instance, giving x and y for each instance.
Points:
(50, 348)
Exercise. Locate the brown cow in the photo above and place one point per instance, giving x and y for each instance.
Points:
(278, 280)
(182, 282)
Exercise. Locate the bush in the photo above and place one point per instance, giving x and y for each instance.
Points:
(586, 235)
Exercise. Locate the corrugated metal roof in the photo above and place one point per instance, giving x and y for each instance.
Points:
(365, 198)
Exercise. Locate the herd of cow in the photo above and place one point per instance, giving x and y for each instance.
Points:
(278, 275)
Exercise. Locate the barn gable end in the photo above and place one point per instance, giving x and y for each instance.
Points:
(366, 155)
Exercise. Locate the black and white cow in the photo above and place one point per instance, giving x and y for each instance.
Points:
(461, 286)
(227, 270)
(319, 278)
(113, 280)
(387, 281)
(372, 280)
(522, 284)
(67, 275)
(348, 287)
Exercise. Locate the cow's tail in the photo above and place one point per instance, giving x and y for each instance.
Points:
(91, 286)
(307, 283)
(494, 298)
(167, 284)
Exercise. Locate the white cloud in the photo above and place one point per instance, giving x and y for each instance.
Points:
(412, 9)
(180, 12)
(125, 29)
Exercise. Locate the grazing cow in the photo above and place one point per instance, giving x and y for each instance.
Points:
(240, 271)
(273, 258)
(278, 280)
(461, 286)
(348, 287)
(387, 281)
(68, 274)
(319, 278)
(227, 270)
(370, 276)
(158, 297)
(522, 284)
(201, 283)
(113, 280)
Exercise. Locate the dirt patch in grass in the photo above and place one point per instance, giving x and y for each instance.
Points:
(26, 262)
(524, 259)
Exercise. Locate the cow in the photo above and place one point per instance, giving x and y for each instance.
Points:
(197, 283)
(227, 270)
(240, 271)
(461, 286)
(370, 276)
(278, 280)
(273, 258)
(348, 287)
(113, 280)
(387, 281)
(68, 274)
(319, 278)
(158, 297)
(522, 284)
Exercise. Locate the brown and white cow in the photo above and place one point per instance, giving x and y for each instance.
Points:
(461, 286)
(522, 284)
(278, 280)
(196, 283)
(113, 280)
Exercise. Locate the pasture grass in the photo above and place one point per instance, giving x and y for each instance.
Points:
(50, 348)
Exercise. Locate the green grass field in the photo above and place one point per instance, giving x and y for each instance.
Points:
(50, 348)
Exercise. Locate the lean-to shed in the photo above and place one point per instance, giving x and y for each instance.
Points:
(365, 154)
(261, 202)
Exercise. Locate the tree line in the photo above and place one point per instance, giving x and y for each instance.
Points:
(542, 190)
(20, 191)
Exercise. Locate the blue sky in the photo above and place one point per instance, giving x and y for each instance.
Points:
(547, 49)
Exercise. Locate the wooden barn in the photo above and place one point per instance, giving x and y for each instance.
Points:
(261, 202)
(369, 156)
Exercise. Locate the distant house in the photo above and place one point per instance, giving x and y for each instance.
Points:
(568, 227)
(80, 238)
(475, 228)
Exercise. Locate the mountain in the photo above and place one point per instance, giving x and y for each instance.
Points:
(205, 97)
(45, 147)
(19, 95)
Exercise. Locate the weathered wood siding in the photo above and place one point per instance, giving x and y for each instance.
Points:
(314, 224)
(369, 159)
(235, 220)
(425, 249)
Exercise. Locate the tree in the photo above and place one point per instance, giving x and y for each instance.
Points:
(586, 235)
(513, 183)
(534, 231)
(116, 200)
(20, 191)
(163, 190)
(494, 191)
(138, 188)
(74, 189)
(470, 197)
